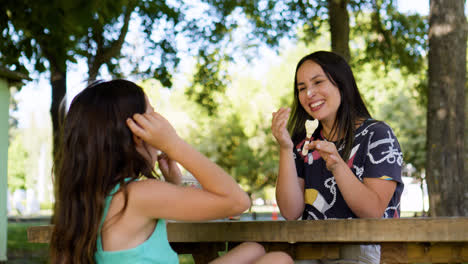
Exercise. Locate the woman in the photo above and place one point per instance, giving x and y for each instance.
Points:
(351, 165)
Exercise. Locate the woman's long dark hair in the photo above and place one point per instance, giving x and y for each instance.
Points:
(96, 152)
(351, 110)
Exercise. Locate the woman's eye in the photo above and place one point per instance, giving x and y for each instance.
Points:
(301, 89)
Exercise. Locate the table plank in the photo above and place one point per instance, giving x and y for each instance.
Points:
(350, 230)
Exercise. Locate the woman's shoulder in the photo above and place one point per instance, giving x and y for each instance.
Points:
(374, 129)
(376, 126)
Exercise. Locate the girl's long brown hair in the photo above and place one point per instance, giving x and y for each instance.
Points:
(96, 152)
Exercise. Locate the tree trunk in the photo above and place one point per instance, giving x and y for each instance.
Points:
(446, 178)
(339, 27)
(58, 80)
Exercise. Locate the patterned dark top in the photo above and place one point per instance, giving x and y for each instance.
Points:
(376, 153)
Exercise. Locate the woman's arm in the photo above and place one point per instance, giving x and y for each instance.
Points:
(289, 187)
(367, 199)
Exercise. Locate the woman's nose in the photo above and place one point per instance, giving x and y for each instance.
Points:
(310, 92)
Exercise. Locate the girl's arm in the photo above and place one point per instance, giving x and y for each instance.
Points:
(367, 199)
(289, 187)
(219, 197)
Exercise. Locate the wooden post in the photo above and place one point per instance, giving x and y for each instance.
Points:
(7, 78)
(4, 103)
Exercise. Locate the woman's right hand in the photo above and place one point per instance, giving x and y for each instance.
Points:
(279, 130)
(154, 129)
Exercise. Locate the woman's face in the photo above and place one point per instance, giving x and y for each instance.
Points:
(317, 94)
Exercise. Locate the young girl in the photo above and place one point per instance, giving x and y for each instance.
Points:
(105, 212)
(352, 166)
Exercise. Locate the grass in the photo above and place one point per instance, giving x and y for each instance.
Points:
(19, 250)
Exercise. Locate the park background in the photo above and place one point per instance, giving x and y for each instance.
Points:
(217, 73)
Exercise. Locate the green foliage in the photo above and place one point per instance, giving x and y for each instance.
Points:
(17, 158)
(157, 22)
(209, 81)
(392, 96)
(40, 30)
(396, 40)
(250, 158)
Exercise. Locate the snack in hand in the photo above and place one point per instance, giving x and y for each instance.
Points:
(310, 126)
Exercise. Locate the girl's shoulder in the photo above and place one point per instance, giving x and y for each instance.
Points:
(142, 194)
(140, 186)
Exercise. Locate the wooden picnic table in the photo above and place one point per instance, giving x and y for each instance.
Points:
(405, 240)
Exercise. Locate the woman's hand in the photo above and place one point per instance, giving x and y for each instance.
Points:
(169, 168)
(154, 129)
(279, 130)
(328, 152)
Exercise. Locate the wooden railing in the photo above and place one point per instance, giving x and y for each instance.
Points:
(406, 240)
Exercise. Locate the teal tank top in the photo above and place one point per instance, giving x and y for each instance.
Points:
(155, 249)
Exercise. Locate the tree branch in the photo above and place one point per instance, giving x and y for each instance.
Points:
(103, 53)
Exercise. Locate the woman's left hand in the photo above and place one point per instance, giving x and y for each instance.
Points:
(169, 168)
(328, 152)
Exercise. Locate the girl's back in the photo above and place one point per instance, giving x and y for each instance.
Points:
(132, 239)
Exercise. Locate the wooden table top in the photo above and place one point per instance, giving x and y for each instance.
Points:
(446, 229)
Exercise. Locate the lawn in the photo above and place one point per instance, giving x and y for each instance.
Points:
(19, 250)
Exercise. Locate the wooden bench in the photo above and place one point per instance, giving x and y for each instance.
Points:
(406, 240)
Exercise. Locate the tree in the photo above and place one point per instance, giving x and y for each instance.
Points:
(50, 34)
(157, 22)
(447, 180)
(44, 33)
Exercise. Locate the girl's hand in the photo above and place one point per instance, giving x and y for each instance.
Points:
(328, 152)
(169, 168)
(154, 129)
(278, 128)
